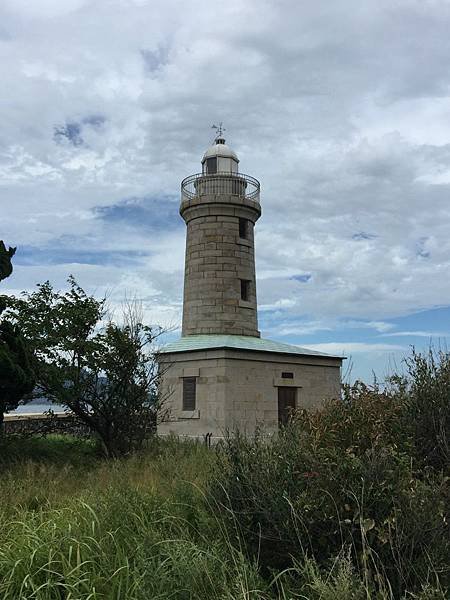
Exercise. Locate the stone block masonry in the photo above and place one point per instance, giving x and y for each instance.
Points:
(218, 260)
(221, 375)
(239, 389)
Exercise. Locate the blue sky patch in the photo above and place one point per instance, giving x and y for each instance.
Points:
(304, 278)
(363, 235)
(54, 255)
(72, 130)
(69, 131)
(372, 346)
(421, 251)
(154, 59)
(94, 120)
(143, 213)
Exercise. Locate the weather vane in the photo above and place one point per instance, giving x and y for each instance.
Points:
(219, 129)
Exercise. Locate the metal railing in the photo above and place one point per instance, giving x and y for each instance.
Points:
(234, 184)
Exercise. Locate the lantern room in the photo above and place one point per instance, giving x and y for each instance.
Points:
(219, 158)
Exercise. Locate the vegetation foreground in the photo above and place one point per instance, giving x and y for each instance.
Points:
(346, 503)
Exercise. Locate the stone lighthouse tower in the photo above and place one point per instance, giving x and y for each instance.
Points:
(221, 375)
(220, 207)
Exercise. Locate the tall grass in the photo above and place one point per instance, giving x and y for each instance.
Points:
(134, 528)
(77, 527)
(347, 503)
(127, 545)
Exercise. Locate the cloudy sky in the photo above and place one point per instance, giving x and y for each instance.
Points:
(341, 109)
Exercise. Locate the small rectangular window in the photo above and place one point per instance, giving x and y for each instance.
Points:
(211, 165)
(243, 228)
(189, 392)
(245, 289)
(286, 375)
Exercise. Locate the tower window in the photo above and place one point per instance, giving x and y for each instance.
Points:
(243, 228)
(211, 165)
(189, 393)
(245, 289)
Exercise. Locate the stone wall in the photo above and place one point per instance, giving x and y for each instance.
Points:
(43, 424)
(239, 389)
(217, 259)
(209, 414)
(252, 388)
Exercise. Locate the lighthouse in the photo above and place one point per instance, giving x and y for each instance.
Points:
(221, 375)
(220, 207)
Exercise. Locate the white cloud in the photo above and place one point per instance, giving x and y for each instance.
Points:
(43, 9)
(305, 327)
(341, 110)
(425, 334)
(349, 348)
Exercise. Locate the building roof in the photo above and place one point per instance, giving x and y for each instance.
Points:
(220, 149)
(192, 343)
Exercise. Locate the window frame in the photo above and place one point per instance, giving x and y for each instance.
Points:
(245, 290)
(189, 396)
(211, 160)
(244, 225)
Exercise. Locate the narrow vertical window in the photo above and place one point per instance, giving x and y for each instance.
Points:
(243, 228)
(245, 289)
(211, 165)
(189, 393)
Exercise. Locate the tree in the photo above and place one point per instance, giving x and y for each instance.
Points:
(16, 373)
(5, 260)
(103, 372)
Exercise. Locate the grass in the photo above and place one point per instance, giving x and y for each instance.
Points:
(50, 471)
(77, 527)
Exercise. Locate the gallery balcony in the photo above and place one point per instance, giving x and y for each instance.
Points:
(234, 186)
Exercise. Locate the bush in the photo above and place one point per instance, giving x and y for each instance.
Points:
(366, 418)
(349, 478)
(428, 406)
(75, 525)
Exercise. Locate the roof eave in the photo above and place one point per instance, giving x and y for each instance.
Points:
(225, 347)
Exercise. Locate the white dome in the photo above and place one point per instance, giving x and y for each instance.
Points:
(219, 148)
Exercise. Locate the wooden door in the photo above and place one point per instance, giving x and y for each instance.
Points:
(286, 404)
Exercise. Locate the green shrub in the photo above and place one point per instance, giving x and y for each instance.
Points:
(350, 477)
(337, 582)
(428, 406)
(366, 418)
(346, 503)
